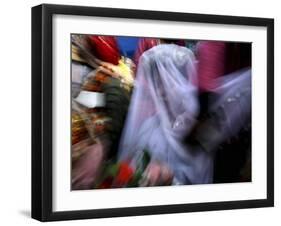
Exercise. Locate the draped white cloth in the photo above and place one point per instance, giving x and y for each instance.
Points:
(162, 111)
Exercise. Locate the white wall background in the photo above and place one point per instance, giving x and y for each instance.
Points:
(15, 131)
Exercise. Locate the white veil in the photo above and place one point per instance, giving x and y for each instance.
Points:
(162, 111)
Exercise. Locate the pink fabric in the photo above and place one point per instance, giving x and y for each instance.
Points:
(211, 57)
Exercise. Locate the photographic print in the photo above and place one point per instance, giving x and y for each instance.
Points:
(159, 112)
(138, 112)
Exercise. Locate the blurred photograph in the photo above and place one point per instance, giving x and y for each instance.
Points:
(159, 112)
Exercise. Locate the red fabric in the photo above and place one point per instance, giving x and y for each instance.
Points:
(143, 45)
(211, 65)
(105, 48)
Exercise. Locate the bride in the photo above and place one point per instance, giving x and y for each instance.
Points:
(164, 107)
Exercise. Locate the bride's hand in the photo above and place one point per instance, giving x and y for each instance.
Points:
(155, 174)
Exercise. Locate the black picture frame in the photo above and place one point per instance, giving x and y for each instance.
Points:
(42, 107)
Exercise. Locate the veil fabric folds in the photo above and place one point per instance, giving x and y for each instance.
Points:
(162, 111)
